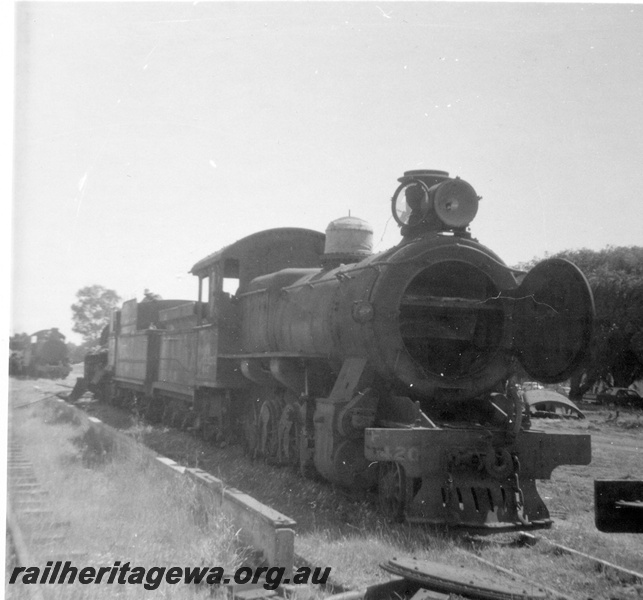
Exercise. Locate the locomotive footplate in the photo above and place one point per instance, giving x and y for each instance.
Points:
(474, 478)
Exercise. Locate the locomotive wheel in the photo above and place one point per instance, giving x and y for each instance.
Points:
(181, 414)
(154, 410)
(118, 397)
(128, 401)
(141, 406)
(291, 426)
(168, 414)
(268, 429)
(395, 490)
(196, 425)
(250, 431)
(190, 417)
(205, 427)
(209, 430)
(103, 392)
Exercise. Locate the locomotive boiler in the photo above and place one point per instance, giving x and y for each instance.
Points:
(392, 371)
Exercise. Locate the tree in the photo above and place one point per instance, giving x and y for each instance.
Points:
(92, 312)
(77, 353)
(615, 275)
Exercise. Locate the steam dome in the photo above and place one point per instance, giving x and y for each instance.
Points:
(348, 240)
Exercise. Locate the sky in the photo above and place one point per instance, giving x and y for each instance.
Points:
(149, 135)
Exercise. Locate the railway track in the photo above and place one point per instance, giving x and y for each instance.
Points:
(35, 532)
(32, 523)
(620, 571)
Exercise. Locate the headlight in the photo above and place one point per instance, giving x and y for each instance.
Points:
(455, 202)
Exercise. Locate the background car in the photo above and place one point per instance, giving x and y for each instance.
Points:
(548, 404)
(531, 385)
(620, 397)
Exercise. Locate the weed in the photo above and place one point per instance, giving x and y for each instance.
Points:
(120, 506)
(95, 446)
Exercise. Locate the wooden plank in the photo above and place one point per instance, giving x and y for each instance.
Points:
(260, 526)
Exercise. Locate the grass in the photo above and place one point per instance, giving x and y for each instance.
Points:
(120, 507)
(350, 537)
(356, 558)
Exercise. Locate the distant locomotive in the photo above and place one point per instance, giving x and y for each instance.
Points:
(43, 355)
(390, 370)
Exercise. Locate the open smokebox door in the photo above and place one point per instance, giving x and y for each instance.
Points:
(554, 316)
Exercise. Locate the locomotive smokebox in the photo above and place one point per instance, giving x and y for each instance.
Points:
(348, 240)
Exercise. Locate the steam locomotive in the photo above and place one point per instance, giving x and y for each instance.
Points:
(41, 355)
(392, 371)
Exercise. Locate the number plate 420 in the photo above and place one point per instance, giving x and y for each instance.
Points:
(398, 454)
